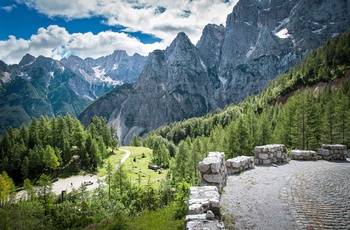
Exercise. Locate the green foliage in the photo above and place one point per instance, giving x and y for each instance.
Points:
(24, 99)
(159, 219)
(7, 187)
(48, 145)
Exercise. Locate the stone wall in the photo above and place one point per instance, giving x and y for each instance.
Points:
(303, 155)
(238, 164)
(204, 204)
(333, 152)
(213, 170)
(348, 153)
(203, 199)
(268, 154)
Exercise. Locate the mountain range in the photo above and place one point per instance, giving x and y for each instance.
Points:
(44, 86)
(261, 40)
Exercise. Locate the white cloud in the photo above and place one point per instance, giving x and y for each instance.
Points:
(142, 16)
(8, 8)
(56, 42)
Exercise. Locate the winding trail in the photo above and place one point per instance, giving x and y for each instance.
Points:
(74, 182)
(127, 155)
(296, 195)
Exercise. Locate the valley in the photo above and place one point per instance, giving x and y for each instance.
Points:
(135, 128)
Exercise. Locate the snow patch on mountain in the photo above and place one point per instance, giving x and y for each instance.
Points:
(319, 31)
(223, 80)
(115, 66)
(251, 50)
(283, 34)
(100, 74)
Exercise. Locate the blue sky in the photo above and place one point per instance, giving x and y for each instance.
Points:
(29, 21)
(94, 28)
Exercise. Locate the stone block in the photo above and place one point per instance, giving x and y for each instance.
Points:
(263, 156)
(203, 167)
(279, 154)
(256, 161)
(212, 178)
(267, 162)
(323, 152)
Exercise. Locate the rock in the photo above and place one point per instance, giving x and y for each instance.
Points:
(209, 215)
(261, 40)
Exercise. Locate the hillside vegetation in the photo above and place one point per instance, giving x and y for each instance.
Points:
(308, 115)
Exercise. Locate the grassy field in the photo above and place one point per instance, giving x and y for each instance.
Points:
(138, 162)
(114, 159)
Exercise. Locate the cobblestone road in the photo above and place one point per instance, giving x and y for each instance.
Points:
(319, 198)
(297, 195)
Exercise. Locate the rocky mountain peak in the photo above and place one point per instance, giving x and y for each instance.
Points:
(209, 46)
(119, 54)
(180, 45)
(27, 59)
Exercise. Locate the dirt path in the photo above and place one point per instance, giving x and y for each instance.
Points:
(75, 181)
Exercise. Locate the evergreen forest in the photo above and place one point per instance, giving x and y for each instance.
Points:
(303, 109)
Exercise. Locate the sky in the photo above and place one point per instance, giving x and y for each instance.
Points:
(95, 28)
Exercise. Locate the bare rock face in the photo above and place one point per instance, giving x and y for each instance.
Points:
(173, 85)
(266, 38)
(115, 69)
(262, 39)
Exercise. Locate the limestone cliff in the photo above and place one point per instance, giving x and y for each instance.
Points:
(173, 85)
(262, 39)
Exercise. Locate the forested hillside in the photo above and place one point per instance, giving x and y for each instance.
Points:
(315, 109)
(47, 145)
(302, 109)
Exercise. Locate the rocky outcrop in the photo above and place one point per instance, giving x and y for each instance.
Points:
(266, 38)
(114, 69)
(303, 155)
(333, 152)
(173, 85)
(261, 40)
(268, 154)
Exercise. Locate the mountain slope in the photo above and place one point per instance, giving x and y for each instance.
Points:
(266, 38)
(34, 87)
(335, 74)
(169, 88)
(262, 39)
(43, 86)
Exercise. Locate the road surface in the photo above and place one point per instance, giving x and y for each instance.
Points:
(75, 181)
(297, 195)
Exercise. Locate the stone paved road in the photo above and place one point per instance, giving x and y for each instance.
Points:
(297, 195)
